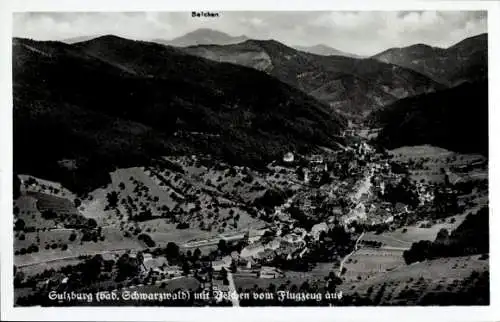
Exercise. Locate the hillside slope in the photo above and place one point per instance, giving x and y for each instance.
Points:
(325, 50)
(462, 62)
(455, 119)
(83, 110)
(351, 86)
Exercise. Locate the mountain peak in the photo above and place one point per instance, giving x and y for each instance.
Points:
(205, 36)
(207, 32)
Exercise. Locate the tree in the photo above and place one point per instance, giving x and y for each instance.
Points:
(18, 278)
(147, 240)
(222, 246)
(19, 225)
(140, 258)
(32, 248)
(233, 267)
(112, 198)
(185, 268)
(77, 202)
(72, 237)
(172, 251)
(442, 236)
(49, 214)
(197, 254)
(121, 186)
(182, 225)
(127, 267)
(91, 223)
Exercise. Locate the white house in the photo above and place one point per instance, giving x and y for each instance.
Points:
(269, 272)
(252, 250)
(288, 157)
(316, 159)
(317, 229)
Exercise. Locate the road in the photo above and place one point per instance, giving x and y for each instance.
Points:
(364, 187)
(356, 245)
(232, 289)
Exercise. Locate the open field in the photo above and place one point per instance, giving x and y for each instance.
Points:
(440, 274)
(113, 240)
(30, 214)
(432, 160)
(405, 236)
(174, 197)
(183, 283)
(245, 282)
(369, 262)
(316, 275)
(61, 205)
(39, 268)
(142, 187)
(163, 232)
(35, 184)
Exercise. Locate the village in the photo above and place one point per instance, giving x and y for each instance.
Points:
(341, 191)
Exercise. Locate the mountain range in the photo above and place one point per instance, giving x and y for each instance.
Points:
(462, 62)
(205, 36)
(112, 102)
(353, 87)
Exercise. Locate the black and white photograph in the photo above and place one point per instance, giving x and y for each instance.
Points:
(250, 159)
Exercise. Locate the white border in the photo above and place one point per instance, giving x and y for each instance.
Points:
(241, 314)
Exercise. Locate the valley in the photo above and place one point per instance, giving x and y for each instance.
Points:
(221, 165)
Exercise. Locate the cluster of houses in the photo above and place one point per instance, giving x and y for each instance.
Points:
(158, 267)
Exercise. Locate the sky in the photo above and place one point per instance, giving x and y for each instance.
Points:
(362, 32)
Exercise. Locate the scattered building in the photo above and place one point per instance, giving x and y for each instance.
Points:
(316, 158)
(252, 250)
(269, 272)
(317, 229)
(225, 262)
(274, 244)
(306, 176)
(294, 238)
(254, 235)
(235, 255)
(288, 157)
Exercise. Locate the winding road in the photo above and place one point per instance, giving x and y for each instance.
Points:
(356, 246)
